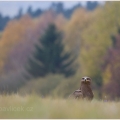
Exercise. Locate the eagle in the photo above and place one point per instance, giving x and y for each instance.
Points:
(85, 91)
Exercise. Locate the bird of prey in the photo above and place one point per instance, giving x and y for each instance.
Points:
(85, 91)
(77, 94)
(85, 88)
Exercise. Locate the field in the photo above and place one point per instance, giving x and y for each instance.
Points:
(32, 106)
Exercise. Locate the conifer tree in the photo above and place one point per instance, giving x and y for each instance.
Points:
(49, 56)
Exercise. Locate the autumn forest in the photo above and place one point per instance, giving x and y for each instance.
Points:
(68, 44)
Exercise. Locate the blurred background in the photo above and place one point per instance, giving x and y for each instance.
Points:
(46, 47)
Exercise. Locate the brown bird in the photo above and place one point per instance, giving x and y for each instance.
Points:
(86, 88)
(84, 91)
(77, 94)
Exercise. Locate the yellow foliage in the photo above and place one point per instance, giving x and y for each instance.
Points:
(73, 29)
(106, 75)
(97, 37)
(88, 34)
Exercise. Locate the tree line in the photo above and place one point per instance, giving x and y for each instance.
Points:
(58, 7)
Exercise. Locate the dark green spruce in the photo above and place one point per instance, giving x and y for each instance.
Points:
(49, 56)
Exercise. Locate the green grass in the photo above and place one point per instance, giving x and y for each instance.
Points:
(32, 106)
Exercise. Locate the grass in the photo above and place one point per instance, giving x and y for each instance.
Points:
(32, 106)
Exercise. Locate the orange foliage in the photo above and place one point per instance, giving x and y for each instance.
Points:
(14, 33)
(19, 37)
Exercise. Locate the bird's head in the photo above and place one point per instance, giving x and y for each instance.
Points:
(86, 80)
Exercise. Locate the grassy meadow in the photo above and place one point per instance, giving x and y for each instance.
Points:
(33, 106)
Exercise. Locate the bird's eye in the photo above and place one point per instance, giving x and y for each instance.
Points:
(88, 78)
(82, 78)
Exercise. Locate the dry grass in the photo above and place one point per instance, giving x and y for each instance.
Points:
(15, 106)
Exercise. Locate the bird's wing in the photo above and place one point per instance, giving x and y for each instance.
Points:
(76, 92)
